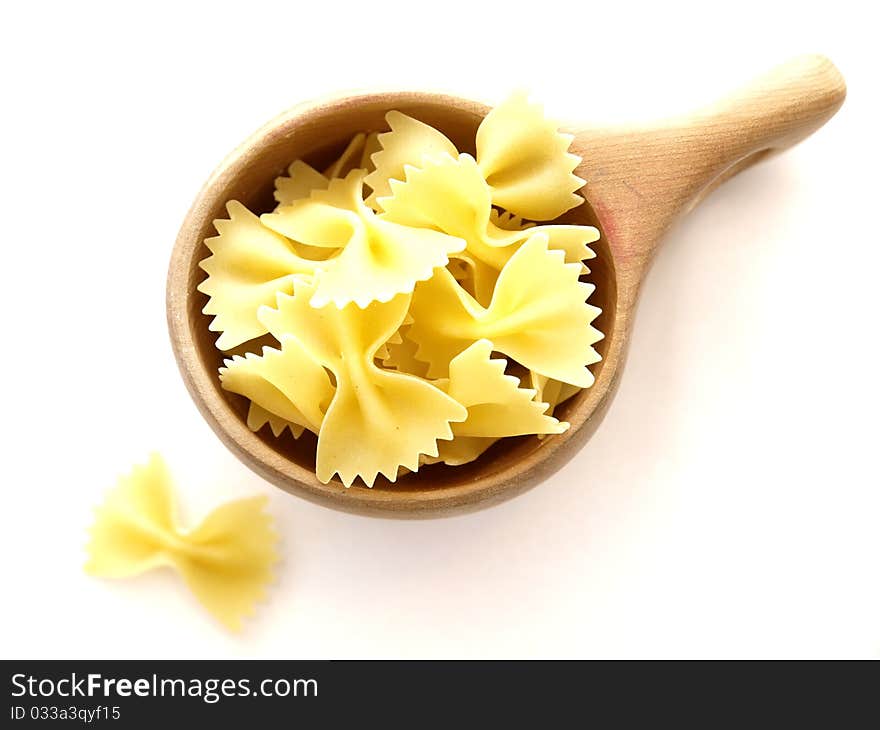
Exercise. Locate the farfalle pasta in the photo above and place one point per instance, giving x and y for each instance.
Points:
(403, 283)
(538, 315)
(226, 561)
(376, 258)
(520, 153)
(248, 266)
(450, 194)
(496, 404)
(378, 419)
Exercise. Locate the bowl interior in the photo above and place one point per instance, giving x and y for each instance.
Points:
(318, 135)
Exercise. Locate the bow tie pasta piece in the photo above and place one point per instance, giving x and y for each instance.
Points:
(574, 243)
(538, 316)
(520, 153)
(378, 420)
(286, 383)
(461, 450)
(496, 405)
(400, 352)
(383, 353)
(378, 259)
(371, 147)
(479, 278)
(445, 192)
(402, 356)
(302, 178)
(226, 561)
(552, 392)
(450, 194)
(525, 160)
(248, 265)
(410, 142)
(299, 183)
(258, 417)
(349, 159)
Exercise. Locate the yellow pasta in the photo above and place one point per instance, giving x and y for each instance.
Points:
(525, 160)
(508, 221)
(349, 159)
(410, 142)
(248, 266)
(226, 560)
(302, 178)
(461, 450)
(538, 316)
(521, 155)
(371, 147)
(378, 258)
(392, 277)
(450, 194)
(299, 183)
(258, 417)
(377, 420)
(495, 403)
(402, 356)
(552, 392)
(287, 384)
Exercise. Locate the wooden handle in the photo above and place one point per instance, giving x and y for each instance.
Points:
(640, 180)
(769, 115)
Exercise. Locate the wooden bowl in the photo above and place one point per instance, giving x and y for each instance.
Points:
(639, 181)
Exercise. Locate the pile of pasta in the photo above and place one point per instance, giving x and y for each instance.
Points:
(402, 286)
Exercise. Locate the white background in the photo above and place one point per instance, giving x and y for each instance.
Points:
(727, 507)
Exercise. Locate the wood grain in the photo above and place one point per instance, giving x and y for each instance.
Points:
(639, 182)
